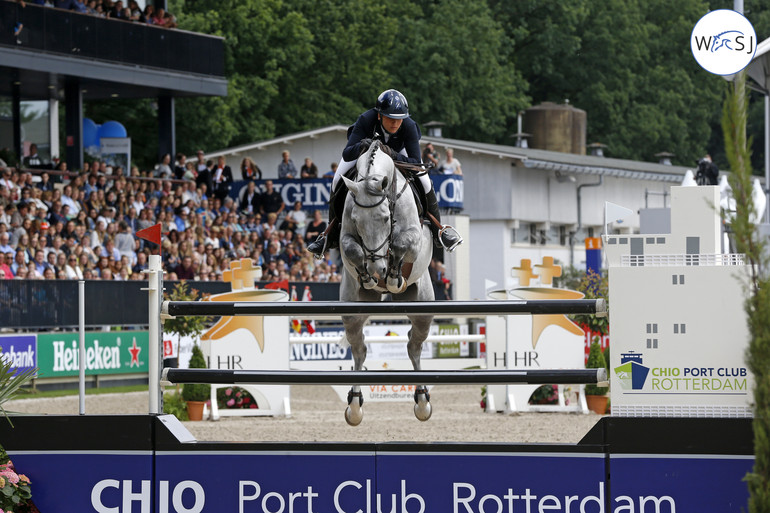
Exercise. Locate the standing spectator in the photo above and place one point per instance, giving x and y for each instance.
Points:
(163, 169)
(205, 177)
(271, 200)
(179, 166)
(309, 170)
(249, 170)
(124, 241)
(286, 168)
(430, 157)
(222, 178)
(708, 172)
(451, 165)
(33, 160)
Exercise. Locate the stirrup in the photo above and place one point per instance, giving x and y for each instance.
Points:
(318, 247)
(454, 238)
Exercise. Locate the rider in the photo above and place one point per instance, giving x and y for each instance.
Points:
(388, 122)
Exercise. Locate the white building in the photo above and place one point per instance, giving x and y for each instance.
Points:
(518, 202)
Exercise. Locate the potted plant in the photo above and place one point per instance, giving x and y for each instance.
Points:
(184, 325)
(15, 494)
(191, 326)
(596, 396)
(196, 394)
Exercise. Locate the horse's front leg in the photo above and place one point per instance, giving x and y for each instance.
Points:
(417, 335)
(403, 248)
(355, 255)
(354, 332)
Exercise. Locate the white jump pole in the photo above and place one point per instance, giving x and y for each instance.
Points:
(82, 352)
(390, 339)
(155, 296)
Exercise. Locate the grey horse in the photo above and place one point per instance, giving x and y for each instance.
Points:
(385, 250)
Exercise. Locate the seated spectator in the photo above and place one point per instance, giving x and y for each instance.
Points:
(451, 165)
(249, 202)
(309, 170)
(271, 200)
(184, 271)
(332, 171)
(315, 227)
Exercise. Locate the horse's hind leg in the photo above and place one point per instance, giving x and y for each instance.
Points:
(417, 335)
(354, 333)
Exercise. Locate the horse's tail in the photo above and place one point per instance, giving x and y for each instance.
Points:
(343, 343)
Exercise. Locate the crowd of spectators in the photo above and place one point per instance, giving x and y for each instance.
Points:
(128, 10)
(84, 225)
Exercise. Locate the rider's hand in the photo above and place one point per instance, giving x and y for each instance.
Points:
(364, 144)
(390, 152)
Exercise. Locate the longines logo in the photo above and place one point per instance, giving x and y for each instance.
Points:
(723, 42)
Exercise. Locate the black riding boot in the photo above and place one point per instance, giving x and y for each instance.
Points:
(330, 238)
(444, 236)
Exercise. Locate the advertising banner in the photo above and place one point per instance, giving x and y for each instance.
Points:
(668, 354)
(20, 350)
(121, 352)
(367, 482)
(314, 193)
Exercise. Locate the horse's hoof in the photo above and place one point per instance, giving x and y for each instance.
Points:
(368, 285)
(396, 286)
(354, 415)
(423, 410)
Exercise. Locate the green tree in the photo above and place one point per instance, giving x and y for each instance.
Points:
(454, 64)
(757, 304)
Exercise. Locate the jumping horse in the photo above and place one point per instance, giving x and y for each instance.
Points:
(385, 250)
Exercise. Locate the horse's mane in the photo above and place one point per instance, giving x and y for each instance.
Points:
(372, 186)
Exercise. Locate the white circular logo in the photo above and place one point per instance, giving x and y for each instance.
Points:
(723, 42)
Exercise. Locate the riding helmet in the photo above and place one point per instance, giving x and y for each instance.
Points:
(392, 104)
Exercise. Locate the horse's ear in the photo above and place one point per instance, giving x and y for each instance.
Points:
(351, 185)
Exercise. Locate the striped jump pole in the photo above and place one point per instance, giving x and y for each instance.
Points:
(460, 377)
(388, 308)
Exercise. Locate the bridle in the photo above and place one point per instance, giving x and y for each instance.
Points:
(392, 197)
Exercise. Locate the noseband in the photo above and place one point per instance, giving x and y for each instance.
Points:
(392, 196)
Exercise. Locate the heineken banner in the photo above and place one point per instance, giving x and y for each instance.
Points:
(120, 352)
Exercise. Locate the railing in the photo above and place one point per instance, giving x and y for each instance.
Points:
(681, 260)
(35, 304)
(84, 36)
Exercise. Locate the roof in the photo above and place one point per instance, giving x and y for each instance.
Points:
(570, 162)
(528, 157)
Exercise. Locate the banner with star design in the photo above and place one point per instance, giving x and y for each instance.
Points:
(120, 352)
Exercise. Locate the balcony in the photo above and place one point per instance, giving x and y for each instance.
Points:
(118, 58)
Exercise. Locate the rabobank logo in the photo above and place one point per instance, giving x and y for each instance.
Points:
(723, 42)
(631, 373)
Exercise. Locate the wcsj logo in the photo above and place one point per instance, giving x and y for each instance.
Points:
(723, 42)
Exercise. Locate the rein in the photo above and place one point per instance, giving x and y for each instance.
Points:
(392, 197)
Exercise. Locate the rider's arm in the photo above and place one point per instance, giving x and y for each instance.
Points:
(363, 129)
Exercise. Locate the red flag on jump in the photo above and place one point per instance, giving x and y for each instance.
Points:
(151, 234)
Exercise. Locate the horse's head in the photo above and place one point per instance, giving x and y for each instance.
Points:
(369, 209)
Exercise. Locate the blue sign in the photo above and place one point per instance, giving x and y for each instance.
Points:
(314, 193)
(351, 482)
(680, 483)
(20, 350)
(368, 478)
